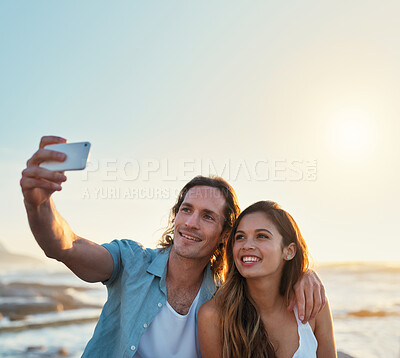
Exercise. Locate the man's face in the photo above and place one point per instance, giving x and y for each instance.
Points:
(199, 223)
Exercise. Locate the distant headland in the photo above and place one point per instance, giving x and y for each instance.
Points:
(9, 259)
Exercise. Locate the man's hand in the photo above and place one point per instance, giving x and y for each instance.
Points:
(88, 260)
(309, 294)
(37, 183)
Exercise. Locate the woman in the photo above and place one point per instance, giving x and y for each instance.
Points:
(248, 318)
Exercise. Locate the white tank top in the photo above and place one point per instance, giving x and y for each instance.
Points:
(307, 342)
(171, 335)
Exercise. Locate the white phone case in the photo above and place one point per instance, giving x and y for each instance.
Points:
(77, 155)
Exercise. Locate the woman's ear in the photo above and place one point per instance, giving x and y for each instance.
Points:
(289, 251)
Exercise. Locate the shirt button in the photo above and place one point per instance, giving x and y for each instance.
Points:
(133, 348)
(145, 325)
(159, 304)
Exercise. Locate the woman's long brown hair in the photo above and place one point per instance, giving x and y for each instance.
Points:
(243, 332)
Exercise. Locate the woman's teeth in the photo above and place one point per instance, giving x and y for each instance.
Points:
(250, 259)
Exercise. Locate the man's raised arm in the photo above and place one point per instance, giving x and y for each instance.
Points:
(88, 260)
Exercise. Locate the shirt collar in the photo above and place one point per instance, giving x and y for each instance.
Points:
(208, 285)
(159, 266)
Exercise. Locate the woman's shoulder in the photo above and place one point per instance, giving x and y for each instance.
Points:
(209, 309)
(324, 333)
(321, 317)
(324, 315)
(323, 320)
(209, 330)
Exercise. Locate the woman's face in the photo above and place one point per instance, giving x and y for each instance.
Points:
(257, 250)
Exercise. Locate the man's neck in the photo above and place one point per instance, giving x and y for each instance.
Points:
(184, 279)
(185, 272)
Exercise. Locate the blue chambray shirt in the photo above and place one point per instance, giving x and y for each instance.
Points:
(136, 293)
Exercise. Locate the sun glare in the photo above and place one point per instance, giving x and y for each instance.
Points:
(350, 135)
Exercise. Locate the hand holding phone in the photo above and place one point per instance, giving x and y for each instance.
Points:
(76, 156)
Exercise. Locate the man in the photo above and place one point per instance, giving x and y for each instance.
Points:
(153, 294)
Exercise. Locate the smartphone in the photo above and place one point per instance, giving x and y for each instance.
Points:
(77, 156)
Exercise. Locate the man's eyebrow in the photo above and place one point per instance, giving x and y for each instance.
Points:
(207, 211)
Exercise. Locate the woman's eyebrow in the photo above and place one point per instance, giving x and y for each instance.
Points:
(258, 230)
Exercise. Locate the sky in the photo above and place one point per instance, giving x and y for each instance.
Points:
(295, 102)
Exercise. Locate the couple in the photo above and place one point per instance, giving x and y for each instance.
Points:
(154, 295)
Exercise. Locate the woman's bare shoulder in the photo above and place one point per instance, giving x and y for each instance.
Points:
(209, 309)
(208, 330)
(324, 333)
(324, 315)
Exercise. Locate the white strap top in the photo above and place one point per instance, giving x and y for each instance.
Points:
(307, 342)
(171, 335)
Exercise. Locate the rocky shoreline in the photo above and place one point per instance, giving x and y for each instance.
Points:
(21, 301)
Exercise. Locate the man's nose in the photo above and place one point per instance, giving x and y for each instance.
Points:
(193, 221)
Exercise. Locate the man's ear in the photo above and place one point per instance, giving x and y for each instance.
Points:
(223, 238)
(289, 252)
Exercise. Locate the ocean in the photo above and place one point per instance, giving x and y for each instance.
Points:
(365, 304)
(51, 313)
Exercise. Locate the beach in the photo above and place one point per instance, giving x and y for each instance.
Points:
(51, 313)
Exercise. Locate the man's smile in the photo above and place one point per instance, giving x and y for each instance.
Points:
(190, 237)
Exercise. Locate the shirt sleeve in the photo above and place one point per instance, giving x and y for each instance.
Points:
(127, 254)
(114, 249)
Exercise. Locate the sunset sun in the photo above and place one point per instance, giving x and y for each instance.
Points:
(350, 135)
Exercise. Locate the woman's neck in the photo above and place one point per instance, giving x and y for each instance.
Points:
(265, 293)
